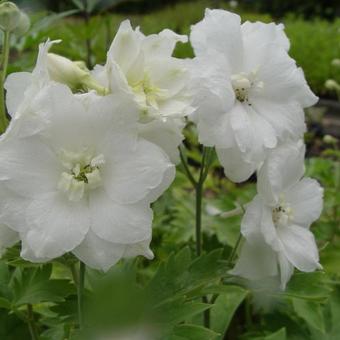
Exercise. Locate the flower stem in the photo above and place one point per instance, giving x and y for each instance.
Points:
(186, 167)
(31, 323)
(205, 164)
(4, 64)
(80, 291)
(234, 251)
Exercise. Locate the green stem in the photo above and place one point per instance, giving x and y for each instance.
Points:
(80, 291)
(4, 65)
(31, 323)
(206, 160)
(186, 167)
(199, 194)
(234, 251)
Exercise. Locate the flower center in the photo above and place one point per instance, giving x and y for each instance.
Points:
(244, 84)
(147, 96)
(282, 214)
(82, 172)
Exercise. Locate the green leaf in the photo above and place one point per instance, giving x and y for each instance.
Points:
(177, 311)
(279, 335)
(311, 312)
(309, 286)
(192, 332)
(4, 303)
(224, 308)
(180, 275)
(33, 285)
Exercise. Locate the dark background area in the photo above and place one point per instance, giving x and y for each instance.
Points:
(328, 9)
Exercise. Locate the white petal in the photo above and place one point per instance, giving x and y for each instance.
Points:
(287, 119)
(288, 84)
(133, 173)
(299, 247)
(255, 32)
(56, 225)
(162, 44)
(16, 85)
(170, 75)
(242, 127)
(264, 133)
(118, 223)
(235, 167)
(125, 47)
(98, 253)
(256, 261)
(166, 134)
(268, 229)
(221, 31)
(306, 200)
(12, 209)
(141, 248)
(251, 221)
(282, 169)
(29, 166)
(286, 270)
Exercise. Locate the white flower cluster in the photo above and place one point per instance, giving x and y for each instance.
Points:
(250, 97)
(86, 151)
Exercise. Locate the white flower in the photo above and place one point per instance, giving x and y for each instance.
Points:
(144, 66)
(249, 93)
(276, 223)
(22, 88)
(84, 183)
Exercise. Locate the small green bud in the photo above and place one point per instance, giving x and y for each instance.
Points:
(328, 139)
(74, 74)
(331, 84)
(9, 16)
(23, 26)
(336, 62)
(65, 71)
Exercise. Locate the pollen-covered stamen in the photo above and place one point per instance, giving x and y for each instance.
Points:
(244, 84)
(82, 172)
(282, 214)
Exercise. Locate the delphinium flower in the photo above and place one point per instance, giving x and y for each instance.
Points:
(276, 223)
(84, 182)
(144, 67)
(249, 93)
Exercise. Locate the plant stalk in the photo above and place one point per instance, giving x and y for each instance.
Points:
(80, 292)
(31, 323)
(4, 65)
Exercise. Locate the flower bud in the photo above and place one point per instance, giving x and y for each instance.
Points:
(336, 62)
(23, 26)
(9, 16)
(73, 74)
(65, 71)
(331, 84)
(328, 139)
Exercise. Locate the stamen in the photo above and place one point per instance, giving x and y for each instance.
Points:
(82, 172)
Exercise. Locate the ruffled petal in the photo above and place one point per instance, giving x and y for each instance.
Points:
(282, 169)
(119, 223)
(56, 225)
(140, 169)
(299, 247)
(306, 200)
(235, 167)
(221, 31)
